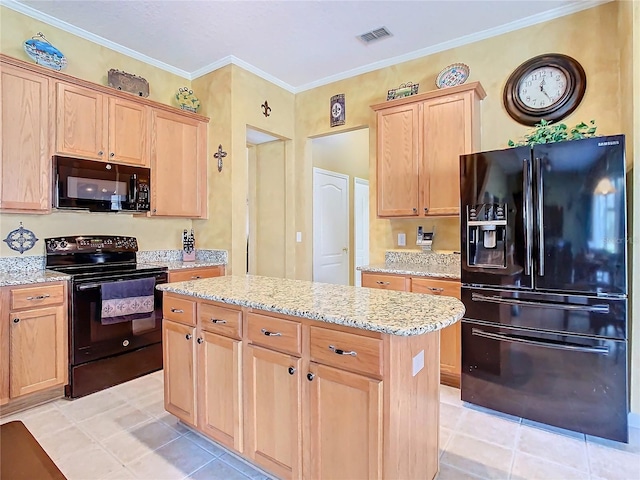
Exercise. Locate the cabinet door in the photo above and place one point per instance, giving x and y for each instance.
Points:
(81, 122)
(273, 411)
(178, 170)
(128, 132)
(450, 350)
(38, 350)
(179, 370)
(397, 161)
(219, 397)
(25, 148)
(447, 130)
(345, 437)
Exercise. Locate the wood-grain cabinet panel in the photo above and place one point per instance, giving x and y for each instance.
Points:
(178, 343)
(25, 144)
(196, 273)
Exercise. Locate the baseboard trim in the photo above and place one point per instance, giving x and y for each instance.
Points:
(31, 400)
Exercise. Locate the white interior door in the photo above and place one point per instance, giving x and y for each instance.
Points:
(330, 227)
(361, 226)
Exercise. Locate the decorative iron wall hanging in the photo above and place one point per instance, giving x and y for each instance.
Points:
(219, 155)
(337, 112)
(21, 239)
(266, 109)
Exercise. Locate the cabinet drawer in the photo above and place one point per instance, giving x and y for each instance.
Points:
(385, 282)
(224, 321)
(449, 288)
(179, 309)
(346, 350)
(29, 297)
(186, 274)
(274, 333)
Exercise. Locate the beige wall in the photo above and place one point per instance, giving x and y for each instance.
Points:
(346, 153)
(91, 62)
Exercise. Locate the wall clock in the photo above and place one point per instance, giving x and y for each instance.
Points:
(548, 87)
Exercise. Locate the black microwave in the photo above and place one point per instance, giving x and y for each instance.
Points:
(100, 186)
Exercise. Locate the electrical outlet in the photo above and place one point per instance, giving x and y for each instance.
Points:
(402, 240)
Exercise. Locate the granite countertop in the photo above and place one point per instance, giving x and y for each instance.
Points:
(31, 276)
(396, 313)
(415, 270)
(178, 265)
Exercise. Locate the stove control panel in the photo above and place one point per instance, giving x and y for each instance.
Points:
(90, 244)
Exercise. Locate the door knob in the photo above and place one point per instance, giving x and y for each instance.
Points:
(345, 249)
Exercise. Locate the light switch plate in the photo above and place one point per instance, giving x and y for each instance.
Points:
(402, 240)
(298, 237)
(418, 363)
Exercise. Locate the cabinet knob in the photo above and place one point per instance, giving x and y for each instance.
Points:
(112, 154)
(100, 153)
(16, 320)
(188, 336)
(199, 340)
(426, 209)
(310, 376)
(415, 210)
(292, 370)
(154, 210)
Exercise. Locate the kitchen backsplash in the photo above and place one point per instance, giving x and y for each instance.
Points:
(421, 258)
(22, 264)
(218, 256)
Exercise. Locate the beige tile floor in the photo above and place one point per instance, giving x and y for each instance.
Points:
(124, 433)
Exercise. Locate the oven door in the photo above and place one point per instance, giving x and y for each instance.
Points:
(92, 339)
(569, 381)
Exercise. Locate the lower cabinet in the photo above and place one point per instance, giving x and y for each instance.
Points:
(345, 412)
(195, 273)
(299, 398)
(273, 410)
(178, 343)
(34, 351)
(450, 351)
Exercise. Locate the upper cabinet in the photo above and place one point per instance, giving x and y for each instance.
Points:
(25, 143)
(420, 139)
(178, 165)
(45, 112)
(101, 127)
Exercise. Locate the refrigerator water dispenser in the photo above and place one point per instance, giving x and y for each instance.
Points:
(487, 232)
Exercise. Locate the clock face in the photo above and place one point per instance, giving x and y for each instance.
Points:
(542, 88)
(336, 110)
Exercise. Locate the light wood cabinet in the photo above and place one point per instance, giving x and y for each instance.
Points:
(450, 340)
(345, 424)
(385, 282)
(273, 411)
(196, 273)
(419, 141)
(81, 122)
(178, 343)
(33, 332)
(25, 144)
(178, 165)
(93, 125)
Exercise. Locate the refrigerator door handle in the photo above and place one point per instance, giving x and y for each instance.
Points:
(540, 218)
(526, 217)
(598, 308)
(559, 346)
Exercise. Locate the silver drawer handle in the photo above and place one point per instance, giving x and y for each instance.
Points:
(39, 297)
(215, 320)
(436, 289)
(195, 277)
(177, 310)
(379, 282)
(270, 334)
(342, 352)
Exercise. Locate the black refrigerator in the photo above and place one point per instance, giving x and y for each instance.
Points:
(544, 284)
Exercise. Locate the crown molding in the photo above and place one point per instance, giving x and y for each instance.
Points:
(492, 32)
(231, 59)
(67, 27)
(467, 39)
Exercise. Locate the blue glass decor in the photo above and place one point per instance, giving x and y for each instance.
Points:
(21, 239)
(39, 48)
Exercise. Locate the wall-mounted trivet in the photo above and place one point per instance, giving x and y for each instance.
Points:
(21, 239)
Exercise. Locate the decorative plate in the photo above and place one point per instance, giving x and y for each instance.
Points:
(454, 74)
(39, 48)
(187, 100)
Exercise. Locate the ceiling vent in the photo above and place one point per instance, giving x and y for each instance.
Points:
(376, 34)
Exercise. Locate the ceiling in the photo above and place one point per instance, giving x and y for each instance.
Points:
(295, 44)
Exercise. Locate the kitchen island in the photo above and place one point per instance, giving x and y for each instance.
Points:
(308, 380)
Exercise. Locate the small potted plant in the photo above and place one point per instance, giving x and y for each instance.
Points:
(546, 132)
